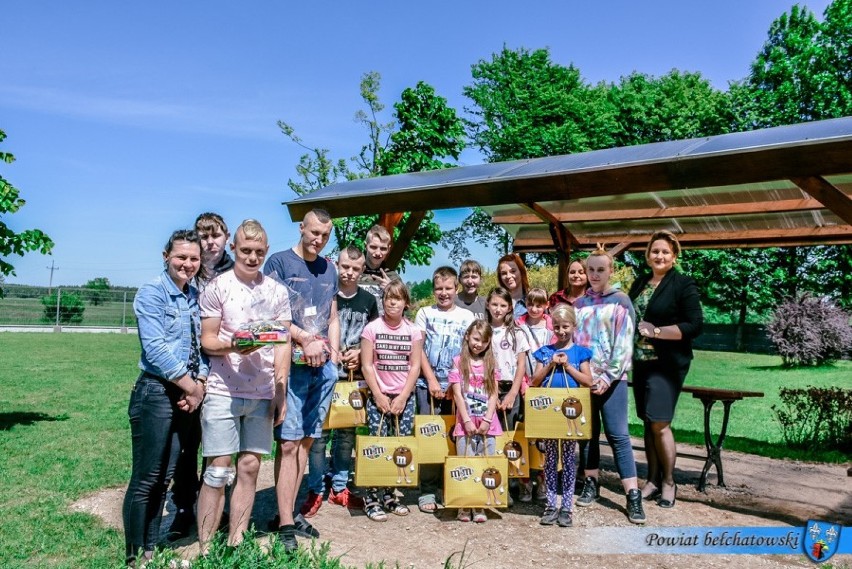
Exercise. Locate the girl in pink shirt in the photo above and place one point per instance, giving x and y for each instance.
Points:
(390, 361)
(473, 381)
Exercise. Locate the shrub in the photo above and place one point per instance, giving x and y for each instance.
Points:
(810, 331)
(816, 417)
(71, 308)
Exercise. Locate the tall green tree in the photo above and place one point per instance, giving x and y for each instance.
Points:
(428, 132)
(12, 242)
(675, 106)
(525, 106)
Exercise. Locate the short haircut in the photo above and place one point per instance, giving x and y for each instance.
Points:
(537, 295)
(397, 289)
(322, 215)
(668, 237)
(252, 230)
(352, 252)
(564, 313)
(445, 272)
(470, 266)
(208, 221)
(380, 232)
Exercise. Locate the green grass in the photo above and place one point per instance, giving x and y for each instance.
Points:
(64, 433)
(753, 427)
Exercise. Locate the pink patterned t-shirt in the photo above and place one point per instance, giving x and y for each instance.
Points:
(391, 352)
(250, 376)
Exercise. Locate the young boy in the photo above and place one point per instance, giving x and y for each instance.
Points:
(470, 274)
(376, 276)
(355, 308)
(537, 325)
(443, 325)
(213, 232)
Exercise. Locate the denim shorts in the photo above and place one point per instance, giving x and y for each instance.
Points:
(309, 393)
(235, 424)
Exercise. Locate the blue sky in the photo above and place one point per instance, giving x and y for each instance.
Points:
(129, 119)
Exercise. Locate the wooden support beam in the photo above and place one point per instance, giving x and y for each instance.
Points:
(780, 206)
(778, 236)
(620, 248)
(832, 197)
(390, 220)
(562, 240)
(403, 240)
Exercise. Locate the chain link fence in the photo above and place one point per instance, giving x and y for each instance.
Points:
(59, 307)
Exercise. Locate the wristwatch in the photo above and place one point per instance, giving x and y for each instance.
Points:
(656, 332)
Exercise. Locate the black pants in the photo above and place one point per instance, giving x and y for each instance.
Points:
(155, 423)
(186, 482)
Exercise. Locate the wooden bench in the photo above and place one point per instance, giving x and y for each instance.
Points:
(708, 397)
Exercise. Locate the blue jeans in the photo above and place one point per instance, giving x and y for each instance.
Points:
(156, 426)
(610, 406)
(342, 443)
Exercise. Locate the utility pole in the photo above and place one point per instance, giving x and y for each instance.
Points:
(52, 268)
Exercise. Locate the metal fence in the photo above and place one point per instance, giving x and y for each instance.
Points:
(61, 307)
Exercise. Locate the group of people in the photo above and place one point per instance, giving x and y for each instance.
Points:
(347, 317)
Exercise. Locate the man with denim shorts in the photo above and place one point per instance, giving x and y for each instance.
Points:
(312, 283)
(246, 388)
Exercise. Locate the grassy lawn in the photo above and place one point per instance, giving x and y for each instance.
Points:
(64, 433)
(752, 426)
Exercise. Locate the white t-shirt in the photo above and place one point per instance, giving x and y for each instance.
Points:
(507, 355)
(443, 331)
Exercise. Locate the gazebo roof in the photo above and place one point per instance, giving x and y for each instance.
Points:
(789, 185)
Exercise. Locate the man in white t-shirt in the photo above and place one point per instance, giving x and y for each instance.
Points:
(246, 388)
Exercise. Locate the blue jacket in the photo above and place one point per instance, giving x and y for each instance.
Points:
(165, 314)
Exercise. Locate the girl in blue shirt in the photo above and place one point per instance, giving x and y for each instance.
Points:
(561, 364)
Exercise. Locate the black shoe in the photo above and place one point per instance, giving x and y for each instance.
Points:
(635, 513)
(303, 528)
(287, 537)
(590, 493)
(564, 520)
(272, 525)
(663, 503)
(181, 525)
(549, 517)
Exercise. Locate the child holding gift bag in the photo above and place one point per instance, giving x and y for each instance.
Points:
(390, 361)
(473, 380)
(561, 364)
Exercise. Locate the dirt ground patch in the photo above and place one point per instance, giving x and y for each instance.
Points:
(760, 492)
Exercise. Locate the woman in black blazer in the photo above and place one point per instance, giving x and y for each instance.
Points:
(669, 316)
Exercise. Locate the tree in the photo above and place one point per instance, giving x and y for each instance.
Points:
(12, 243)
(428, 132)
(528, 106)
(97, 290)
(71, 308)
(675, 106)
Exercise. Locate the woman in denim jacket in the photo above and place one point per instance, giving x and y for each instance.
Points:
(170, 387)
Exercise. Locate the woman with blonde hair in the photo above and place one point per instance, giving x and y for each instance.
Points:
(605, 324)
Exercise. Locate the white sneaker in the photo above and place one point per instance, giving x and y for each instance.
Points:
(463, 515)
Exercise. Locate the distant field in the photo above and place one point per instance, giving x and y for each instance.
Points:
(30, 311)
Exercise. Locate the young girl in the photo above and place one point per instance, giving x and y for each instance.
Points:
(561, 364)
(537, 325)
(510, 346)
(390, 361)
(473, 381)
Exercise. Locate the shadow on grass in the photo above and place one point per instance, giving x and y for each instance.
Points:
(26, 418)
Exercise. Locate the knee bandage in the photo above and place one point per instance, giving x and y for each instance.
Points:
(219, 476)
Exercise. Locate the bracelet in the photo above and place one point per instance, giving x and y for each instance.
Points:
(486, 420)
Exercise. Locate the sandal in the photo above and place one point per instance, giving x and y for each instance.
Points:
(374, 510)
(394, 506)
(427, 504)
